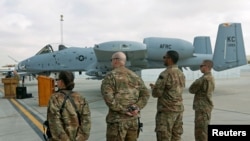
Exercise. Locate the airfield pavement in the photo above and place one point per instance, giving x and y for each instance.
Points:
(231, 106)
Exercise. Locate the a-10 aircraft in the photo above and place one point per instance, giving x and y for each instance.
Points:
(229, 52)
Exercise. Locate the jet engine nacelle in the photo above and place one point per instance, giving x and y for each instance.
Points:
(157, 47)
(136, 52)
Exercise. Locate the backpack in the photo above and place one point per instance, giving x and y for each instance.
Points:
(46, 130)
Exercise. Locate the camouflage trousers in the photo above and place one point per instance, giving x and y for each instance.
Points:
(122, 131)
(202, 119)
(169, 126)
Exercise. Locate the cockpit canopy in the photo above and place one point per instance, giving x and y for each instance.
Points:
(47, 49)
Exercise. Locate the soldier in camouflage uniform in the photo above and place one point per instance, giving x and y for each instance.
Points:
(16, 76)
(64, 125)
(125, 95)
(203, 89)
(168, 89)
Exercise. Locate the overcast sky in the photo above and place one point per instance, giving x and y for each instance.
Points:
(28, 25)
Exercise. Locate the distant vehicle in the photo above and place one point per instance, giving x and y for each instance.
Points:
(229, 52)
(8, 71)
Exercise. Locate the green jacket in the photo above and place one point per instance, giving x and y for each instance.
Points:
(168, 89)
(121, 88)
(203, 89)
(64, 127)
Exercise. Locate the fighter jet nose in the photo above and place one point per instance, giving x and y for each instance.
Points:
(21, 66)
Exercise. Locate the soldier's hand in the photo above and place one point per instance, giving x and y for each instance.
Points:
(135, 112)
(128, 113)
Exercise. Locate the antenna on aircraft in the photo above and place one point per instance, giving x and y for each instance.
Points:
(61, 29)
(13, 59)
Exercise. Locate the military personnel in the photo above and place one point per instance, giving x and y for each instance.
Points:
(203, 89)
(168, 89)
(16, 76)
(125, 94)
(65, 124)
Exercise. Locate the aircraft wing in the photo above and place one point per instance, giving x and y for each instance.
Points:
(5, 71)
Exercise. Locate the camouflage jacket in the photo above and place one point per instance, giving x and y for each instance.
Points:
(17, 77)
(203, 89)
(168, 89)
(121, 88)
(64, 126)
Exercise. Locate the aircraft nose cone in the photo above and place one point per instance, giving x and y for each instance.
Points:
(21, 66)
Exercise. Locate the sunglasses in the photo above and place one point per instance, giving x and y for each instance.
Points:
(164, 57)
(202, 66)
(114, 59)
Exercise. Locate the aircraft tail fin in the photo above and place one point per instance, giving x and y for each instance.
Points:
(202, 45)
(229, 49)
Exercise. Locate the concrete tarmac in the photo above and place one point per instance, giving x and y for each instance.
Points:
(21, 119)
